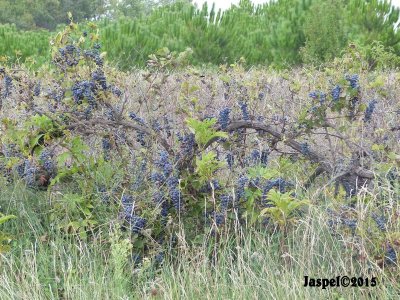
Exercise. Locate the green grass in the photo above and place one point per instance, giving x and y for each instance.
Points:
(47, 264)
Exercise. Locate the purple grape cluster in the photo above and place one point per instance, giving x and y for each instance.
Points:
(99, 77)
(141, 138)
(218, 218)
(318, 95)
(70, 55)
(187, 144)
(46, 159)
(264, 157)
(157, 178)
(84, 89)
(167, 126)
(136, 118)
(30, 171)
(207, 187)
(225, 200)
(94, 55)
(115, 90)
(127, 205)
(351, 223)
(164, 164)
(175, 196)
(390, 255)
(255, 156)
(278, 183)
(137, 223)
(156, 126)
(336, 92)
(305, 149)
(380, 221)
(245, 112)
(353, 80)
(10, 150)
(370, 110)
(106, 145)
(159, 199)
(240, 187)
(223, 117)
(7, 86)
(230, 159)
(36, 89)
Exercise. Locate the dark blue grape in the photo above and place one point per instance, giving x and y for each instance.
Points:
(99, 77)
(106, 145)
(167, 126)
(175, 196)
(380, 221)
(136, 118)
(390, 255)
(219, 218)
(47, 161)
(94, 55)
(36, 89)
(255, 156)
(116, 91)
(157, 178)
(230, 159)
(245, 113)
(352, 224)
(30, 171)
(216, 184)
(172, 182)
(137, 223)
(225, 201)
(313, 95)
(187, 144)
(136, 259)
(318, 95)
(370, 110)
(240, 189)
(223, 117)
(159, 258)
(156, 126)
(353, 80)
(83, 89)
(336, 93)
(164, 164)
(7, 83)
(140, 138)
(305, 149)
(279, 183)
(264, 157)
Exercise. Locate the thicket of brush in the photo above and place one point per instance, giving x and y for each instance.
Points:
(181, 182)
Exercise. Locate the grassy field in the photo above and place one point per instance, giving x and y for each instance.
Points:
(45, 264)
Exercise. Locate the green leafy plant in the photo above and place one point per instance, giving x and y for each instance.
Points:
(207, 165)
(283, 211)
(204, 131)
(5, 238)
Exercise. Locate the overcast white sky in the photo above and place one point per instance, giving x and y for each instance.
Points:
(224, 4)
